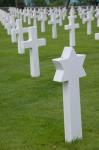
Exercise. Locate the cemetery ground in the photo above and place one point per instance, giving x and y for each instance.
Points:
(31, 109)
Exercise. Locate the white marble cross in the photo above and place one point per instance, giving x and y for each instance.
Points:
(88, 19)
(5, 23)
(35, 16)
(33, 43)
(10, 25)
(60, 17)
(24, 15)
(72, 27)
(29, 14)
(54, 22)
(97, 16)
(83, 15)
(64, 11)
(21, 14)
(72, 11)
(69, 68)
(19, 31)
(43, 18)
(18, 13)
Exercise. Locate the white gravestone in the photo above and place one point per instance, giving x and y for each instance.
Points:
(83, 15)
(72, 11)
(43, 19)
(33, 43)
(96, 36)
(5, 21)
(88, 19)
(97, 16)
(69, 68)
(35, 17)
(17, 12)
(60, 17)
(21, 14)
(19, 31)
(72, 27)
(64, 11)
(54, 22)
(24, 15)
(10, 25)
(29, 14)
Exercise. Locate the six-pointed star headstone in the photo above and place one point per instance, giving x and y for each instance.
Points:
(69, 68)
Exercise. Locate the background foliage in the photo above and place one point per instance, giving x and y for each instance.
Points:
(44, 2)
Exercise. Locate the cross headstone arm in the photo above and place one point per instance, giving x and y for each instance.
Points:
(96, 36)
(19, 26)
(41, 42)
(25, 30)
(26, 44)
(67, 27)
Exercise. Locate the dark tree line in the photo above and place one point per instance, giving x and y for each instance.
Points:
(86, 2)
(7, 3)
(64, 2)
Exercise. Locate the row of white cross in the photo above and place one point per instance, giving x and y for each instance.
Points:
(69, 67)
(33, 43)
(56, 17)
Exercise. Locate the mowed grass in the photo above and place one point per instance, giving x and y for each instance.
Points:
(31, 109)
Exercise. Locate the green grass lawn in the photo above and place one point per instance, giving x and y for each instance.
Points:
(31, 109)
